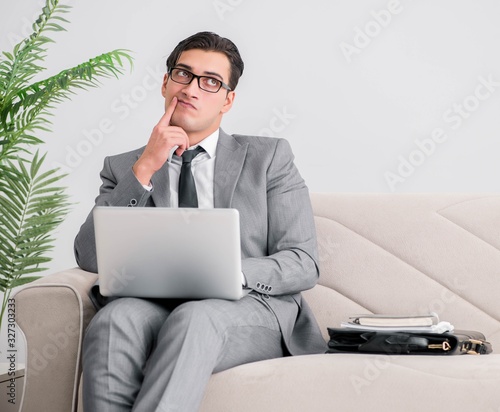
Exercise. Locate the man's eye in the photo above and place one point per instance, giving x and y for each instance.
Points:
(182, 73)
(211, 82)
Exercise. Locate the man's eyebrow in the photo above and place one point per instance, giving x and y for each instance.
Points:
(214, 74)
(188, 67)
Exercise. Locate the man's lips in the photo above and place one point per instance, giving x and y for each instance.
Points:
(186, 104)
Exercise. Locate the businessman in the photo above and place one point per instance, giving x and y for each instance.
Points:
(149, 355)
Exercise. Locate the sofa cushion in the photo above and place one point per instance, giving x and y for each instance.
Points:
(409, 253)
(356, 382)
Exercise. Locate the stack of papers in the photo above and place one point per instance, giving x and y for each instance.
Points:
(391, 323)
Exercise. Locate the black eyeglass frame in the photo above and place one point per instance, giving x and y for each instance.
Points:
(195, 76)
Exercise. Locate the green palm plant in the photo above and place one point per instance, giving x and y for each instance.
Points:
(32, 202)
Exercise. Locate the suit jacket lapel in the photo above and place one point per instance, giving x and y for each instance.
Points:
(228, 164)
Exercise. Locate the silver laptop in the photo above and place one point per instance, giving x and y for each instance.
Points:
(158, 252)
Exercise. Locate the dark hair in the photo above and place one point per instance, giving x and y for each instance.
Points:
(211, 42)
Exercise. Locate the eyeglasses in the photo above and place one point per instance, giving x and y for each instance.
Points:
(209, 84)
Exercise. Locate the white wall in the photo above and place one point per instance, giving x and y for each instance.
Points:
(356, 108)
(353, 114)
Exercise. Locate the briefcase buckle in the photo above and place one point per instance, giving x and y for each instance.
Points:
(472, 346)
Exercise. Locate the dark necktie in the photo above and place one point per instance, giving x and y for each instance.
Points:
(187, 188)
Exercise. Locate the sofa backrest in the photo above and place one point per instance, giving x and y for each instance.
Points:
(409, 254)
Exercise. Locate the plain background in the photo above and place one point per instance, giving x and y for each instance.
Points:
(359, 88)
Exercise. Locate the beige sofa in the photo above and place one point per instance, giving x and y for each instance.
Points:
(380, 253)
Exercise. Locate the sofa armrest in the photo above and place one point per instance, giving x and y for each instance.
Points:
(53, 313)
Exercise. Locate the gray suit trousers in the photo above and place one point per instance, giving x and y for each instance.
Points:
(152, 355)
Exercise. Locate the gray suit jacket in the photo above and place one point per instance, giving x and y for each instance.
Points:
(257, 176)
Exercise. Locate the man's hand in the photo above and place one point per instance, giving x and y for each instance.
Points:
(163, 138)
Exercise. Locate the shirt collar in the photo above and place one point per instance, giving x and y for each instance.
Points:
(209, 144)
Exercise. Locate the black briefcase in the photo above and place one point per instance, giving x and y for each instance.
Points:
(345, 340)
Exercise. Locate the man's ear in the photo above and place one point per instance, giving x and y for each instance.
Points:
(229, 102)
(164, 85)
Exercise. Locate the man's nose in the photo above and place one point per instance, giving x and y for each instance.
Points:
(191, 89)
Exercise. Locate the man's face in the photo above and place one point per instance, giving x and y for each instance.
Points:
(199, 112)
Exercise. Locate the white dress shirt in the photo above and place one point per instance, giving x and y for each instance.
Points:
(203, 169)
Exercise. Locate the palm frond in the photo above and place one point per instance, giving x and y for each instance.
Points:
(31, 207)
(31, 203)
(22, 116)
(20, 66)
